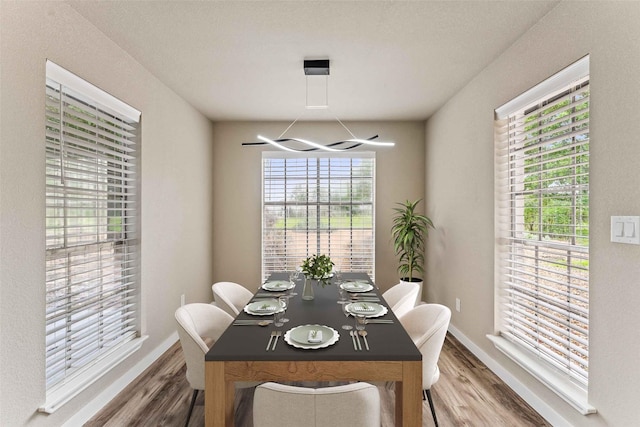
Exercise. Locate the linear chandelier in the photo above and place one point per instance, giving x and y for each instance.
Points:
(300, 145)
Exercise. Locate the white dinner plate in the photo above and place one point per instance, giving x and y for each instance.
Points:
(263, 307)
(369, 309)
(298, 337)
(356, 286)
(278, 285)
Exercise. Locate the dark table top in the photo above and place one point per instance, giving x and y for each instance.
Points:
(386, 341)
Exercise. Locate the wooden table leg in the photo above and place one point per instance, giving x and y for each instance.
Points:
(218, 396)
(409, 395)
(229, 410)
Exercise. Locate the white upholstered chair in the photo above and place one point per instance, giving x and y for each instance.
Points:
(231, 297)
(427, 326)
(352, 405)
(402, 297)
(197, 322)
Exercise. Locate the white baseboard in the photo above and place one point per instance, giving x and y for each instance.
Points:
(93, 407)
(546, 411)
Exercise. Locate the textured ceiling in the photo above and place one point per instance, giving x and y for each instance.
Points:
(390, 60)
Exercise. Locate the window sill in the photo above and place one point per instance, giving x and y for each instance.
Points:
(563, 387)
(63, 393)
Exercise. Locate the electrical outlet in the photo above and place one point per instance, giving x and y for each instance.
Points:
(182, 300)
(458, 305)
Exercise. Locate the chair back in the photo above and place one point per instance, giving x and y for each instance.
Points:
(352, 405)
(402, 297)
(196, 323)
(231, 297)
(427, 326)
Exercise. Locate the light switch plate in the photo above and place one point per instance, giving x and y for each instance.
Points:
(625, 229)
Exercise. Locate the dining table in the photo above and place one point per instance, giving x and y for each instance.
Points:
(246, 350)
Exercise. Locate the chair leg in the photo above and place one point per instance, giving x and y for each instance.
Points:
(193, 402)
(433, 409)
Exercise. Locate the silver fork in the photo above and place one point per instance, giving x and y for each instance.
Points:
(278, 335)
(355, 334)
(273, 334)
(353, 339)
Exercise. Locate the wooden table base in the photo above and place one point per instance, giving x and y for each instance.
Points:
(221, 375)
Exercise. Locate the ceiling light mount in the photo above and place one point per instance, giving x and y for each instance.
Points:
(316, 67)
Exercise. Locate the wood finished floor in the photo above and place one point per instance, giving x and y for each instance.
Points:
(467, 394)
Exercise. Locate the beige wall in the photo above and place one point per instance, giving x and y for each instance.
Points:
(176, 195)
(237, 191)
(459, 187)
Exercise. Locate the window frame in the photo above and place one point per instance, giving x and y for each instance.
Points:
(293, 260)
(509, 208)
(92, 182)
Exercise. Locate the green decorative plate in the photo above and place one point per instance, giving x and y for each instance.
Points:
(299, 336)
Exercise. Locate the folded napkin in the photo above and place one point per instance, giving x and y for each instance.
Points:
(362, 308)
(315, 336)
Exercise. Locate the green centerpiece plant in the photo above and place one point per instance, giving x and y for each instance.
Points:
(316, 267)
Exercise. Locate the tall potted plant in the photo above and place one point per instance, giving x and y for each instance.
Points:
(409, 230)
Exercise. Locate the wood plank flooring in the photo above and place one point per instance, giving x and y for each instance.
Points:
(467, 394)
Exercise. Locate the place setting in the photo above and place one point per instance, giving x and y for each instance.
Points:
(366, 308)
(367, 311)
(277, 288)
(356, 286)
(264, 307)
(311, 337)
(278, 285)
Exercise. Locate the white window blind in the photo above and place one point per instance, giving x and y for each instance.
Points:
(542, 224)
(318, 205)
(91, 225)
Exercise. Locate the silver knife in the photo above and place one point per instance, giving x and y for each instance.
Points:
(251, 322)
(366, 343)
(270, 339)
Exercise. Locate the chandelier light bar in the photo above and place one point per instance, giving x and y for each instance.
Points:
(352, 143)
(369, 142)
(319, 67)
(272, 142)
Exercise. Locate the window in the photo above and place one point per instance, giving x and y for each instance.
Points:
(542, 227)
(318, 205)
(91, 232)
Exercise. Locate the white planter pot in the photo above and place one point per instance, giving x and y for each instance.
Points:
(419, 282)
